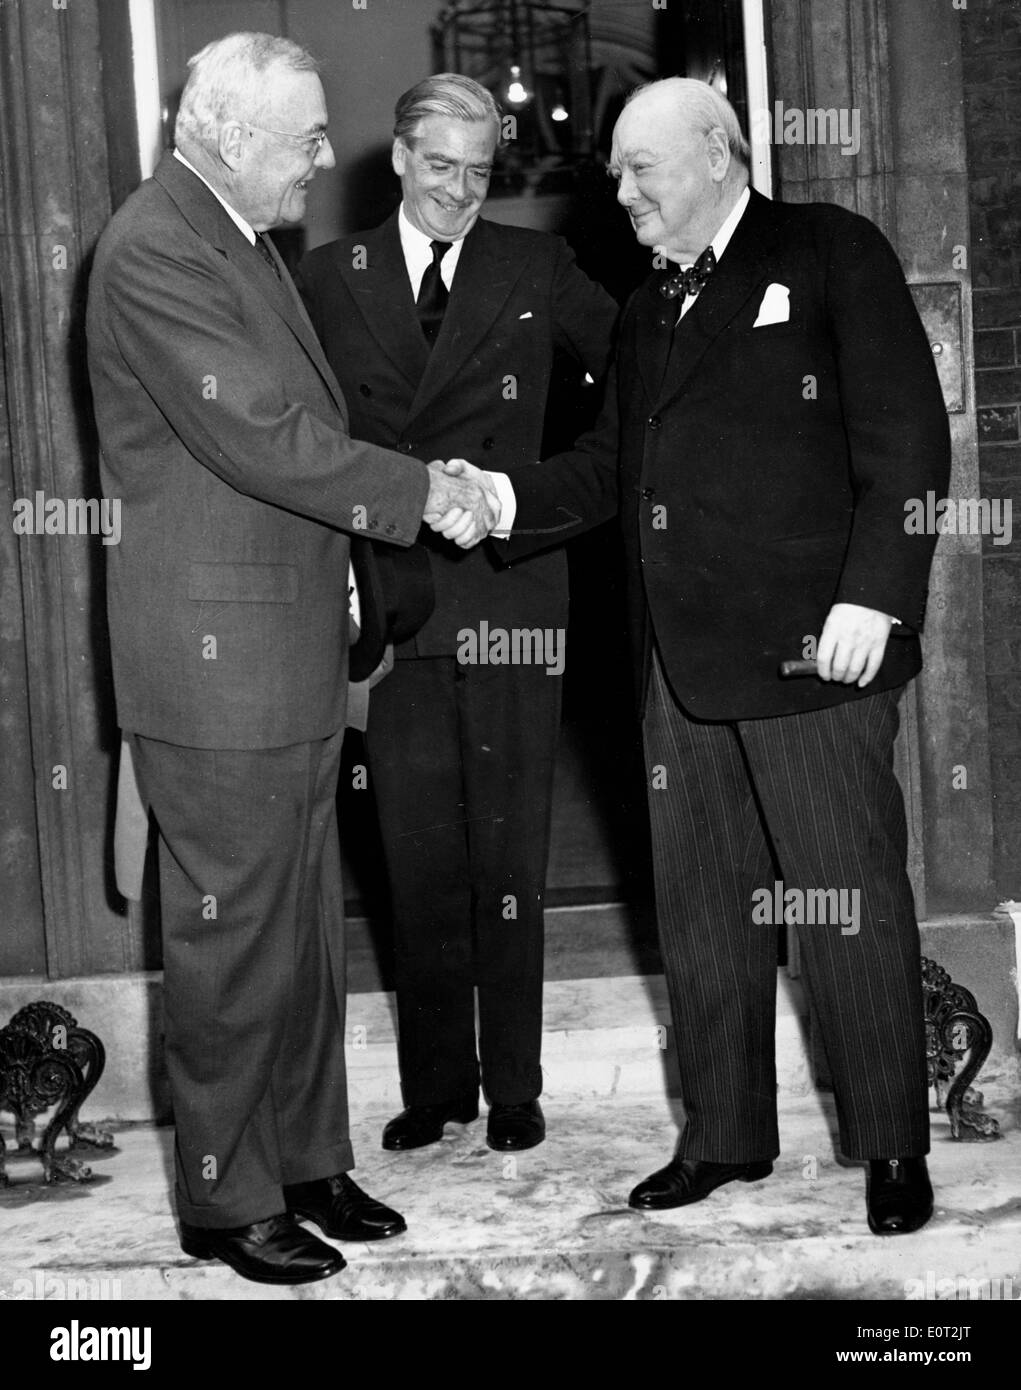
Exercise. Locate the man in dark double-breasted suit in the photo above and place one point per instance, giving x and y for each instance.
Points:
(442, 328)
(777, 410)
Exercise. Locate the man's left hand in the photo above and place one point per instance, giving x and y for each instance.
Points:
(852, 643)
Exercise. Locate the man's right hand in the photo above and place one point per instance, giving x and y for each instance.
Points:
(462, 509)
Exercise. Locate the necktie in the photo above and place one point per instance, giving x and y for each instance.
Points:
(432, 294)
(266, 253)
(689, 281)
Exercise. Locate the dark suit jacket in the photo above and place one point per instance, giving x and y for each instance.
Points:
(764, 471)
(480, 394)
(225, 436)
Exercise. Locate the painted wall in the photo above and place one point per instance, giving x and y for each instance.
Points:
(369, 57)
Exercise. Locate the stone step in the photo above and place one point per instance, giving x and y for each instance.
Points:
(602, 1038)
(548, 1224)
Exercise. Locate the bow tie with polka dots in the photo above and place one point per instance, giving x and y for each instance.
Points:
(690, 281)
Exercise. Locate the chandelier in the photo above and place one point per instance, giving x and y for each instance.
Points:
(535, 58)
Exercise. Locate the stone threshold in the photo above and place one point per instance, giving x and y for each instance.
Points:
(608, 1036)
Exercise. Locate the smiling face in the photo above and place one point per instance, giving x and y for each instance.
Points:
(672, 178)
(274, 170)
(444, 170)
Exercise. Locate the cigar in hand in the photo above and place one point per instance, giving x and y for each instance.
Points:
(799, 668)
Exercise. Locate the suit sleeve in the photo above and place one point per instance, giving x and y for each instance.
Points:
(178, 325)
(584, 315)
(571, 492)
(895, 418)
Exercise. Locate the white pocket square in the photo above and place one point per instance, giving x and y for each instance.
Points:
(525, 316)
(775, 306)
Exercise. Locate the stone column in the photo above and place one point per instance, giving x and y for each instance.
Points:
(899, 66)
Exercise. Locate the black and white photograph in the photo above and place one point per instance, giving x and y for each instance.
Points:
(510, 669)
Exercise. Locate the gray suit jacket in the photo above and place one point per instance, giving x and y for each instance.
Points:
(224, 434)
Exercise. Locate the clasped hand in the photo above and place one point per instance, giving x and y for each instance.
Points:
(461, 505)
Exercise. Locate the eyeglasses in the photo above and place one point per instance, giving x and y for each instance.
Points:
(313, 143)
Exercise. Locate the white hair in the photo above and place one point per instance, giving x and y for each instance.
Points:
(227, 79)
(704, 109)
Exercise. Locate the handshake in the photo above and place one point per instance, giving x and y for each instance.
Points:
(462, 505)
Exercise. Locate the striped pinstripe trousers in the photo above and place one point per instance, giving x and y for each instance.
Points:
(811, 799)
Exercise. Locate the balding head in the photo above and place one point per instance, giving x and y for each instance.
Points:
(682, 164)
(693, 106)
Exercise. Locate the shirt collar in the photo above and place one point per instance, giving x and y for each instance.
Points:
(721, 240)
(419, 242)
(244, 227)
(411, 238)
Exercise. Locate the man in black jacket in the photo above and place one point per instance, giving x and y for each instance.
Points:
(777, 410)
(441, 328)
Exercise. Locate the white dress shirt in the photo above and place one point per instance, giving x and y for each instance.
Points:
(418, 253)
(719, 243)
(418, 256)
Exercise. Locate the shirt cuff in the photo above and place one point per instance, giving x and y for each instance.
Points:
(508, 506)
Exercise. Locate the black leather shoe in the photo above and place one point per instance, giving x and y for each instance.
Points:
(898, 1195)
(515, 1126)
(342, 1210)
(687, 1180)
(275, 1251)
(423, 1124)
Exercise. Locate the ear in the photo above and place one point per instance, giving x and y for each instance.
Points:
(718, 153)
(231, 143)
(399, 157)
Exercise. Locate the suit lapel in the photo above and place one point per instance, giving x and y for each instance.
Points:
(382, 291)
(741, 269)
(210, 220)
(483, 281)
(656, 316)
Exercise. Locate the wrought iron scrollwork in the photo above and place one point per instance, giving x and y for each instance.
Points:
(955, 1030)
(47, 1061)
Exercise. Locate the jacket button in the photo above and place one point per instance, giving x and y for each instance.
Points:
(489, 442)
(365, 390)
(648, 493)
(405, 446)
(390, 529)
(654, 422)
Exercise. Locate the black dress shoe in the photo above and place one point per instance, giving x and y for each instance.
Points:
(515, 1126)
(275, 1251)
(687, 1180)
(342, 1210)
(898, 1195)
(423, 1124)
